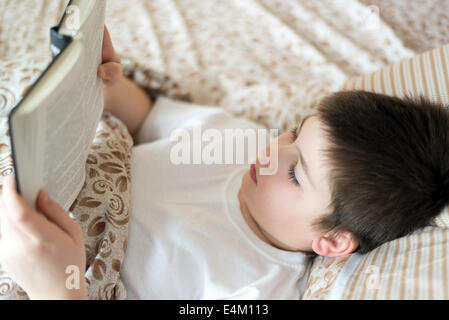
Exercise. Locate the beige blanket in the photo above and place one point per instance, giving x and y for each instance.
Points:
(267, 60)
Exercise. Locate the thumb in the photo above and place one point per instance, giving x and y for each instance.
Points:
(110, 71)
(55, 213)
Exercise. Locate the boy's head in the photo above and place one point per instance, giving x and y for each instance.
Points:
(377, 169)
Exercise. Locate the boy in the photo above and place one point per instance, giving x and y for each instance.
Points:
(364, 170)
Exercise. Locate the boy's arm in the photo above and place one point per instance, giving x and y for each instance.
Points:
(122, 97)
(125, 100)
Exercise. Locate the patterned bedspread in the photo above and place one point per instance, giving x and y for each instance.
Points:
(267, 60)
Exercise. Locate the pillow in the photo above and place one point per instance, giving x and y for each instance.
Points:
(411, 267)
(426, 74)
(103, 204)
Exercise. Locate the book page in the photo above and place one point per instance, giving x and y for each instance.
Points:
(71, 120)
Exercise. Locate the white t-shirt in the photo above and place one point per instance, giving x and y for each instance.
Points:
(187, 236)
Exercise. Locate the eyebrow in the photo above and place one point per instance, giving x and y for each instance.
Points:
(301, 158)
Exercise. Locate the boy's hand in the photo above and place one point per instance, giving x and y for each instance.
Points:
(43, 254)
(110, 69)
(122, 97)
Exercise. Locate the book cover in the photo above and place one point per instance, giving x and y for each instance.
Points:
(53, 126)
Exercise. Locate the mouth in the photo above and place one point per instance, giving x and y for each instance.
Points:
(253, 173)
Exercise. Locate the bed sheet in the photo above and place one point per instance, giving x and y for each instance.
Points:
(267, 60)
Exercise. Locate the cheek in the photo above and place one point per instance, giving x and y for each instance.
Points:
(279, 211)
(274, 197)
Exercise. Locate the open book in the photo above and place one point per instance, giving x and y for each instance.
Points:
(52, 127)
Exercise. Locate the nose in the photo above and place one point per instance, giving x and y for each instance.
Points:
(265, 165)
(265, 156)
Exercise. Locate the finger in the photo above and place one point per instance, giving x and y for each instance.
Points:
(56, 214)
(9, 232)
(5, 224)
(109, 54)
(3, 216)
(19, 213)
(110, 72)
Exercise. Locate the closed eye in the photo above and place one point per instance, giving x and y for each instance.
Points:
(292, 175)
(291, 170)
(294, 133)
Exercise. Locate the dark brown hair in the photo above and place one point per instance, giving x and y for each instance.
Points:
(389, 164)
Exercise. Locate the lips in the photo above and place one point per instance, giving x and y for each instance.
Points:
(253, 173)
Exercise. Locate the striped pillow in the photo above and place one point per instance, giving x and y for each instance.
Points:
(426, 74)
(411, 267)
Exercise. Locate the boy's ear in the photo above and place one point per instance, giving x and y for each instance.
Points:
(335, 246)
